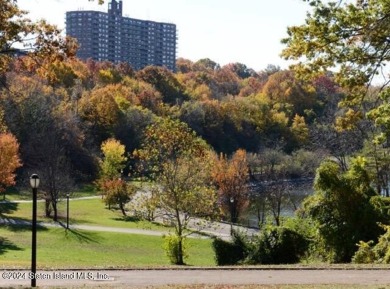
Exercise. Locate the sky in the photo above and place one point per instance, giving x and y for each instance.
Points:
(226, 31)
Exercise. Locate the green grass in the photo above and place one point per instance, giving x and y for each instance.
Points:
(13, 193)
(90, 212)
(58, 249)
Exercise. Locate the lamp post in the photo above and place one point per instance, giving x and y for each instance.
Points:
(34, 182)
(67, 211)
(231, 215)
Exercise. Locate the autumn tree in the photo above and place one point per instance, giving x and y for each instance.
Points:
(100, 113)
(42, 43)
(206, 64)
(283, 88)
(300, 130)
(179, 164)
(351, 37)
(51, 141)
(116, 191)
(231, 177)
(146, 95)
(241, 70)
(164, 81)
(184, 65)
(9, 160)
(113, 159)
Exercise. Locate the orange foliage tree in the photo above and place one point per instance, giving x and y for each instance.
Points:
(230, 177)
(9, 160)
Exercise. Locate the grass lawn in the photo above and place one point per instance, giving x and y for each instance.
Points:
(13, 193)
(90, 212)
(58, 248)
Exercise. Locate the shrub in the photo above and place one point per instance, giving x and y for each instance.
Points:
(379, 253)
(231, 253)
(172, 250)
(278, 245)
(274, 245)
(382, 249)
(365, 254)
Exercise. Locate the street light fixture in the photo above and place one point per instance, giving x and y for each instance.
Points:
(67, 211)
(34, 182)
(231, 215)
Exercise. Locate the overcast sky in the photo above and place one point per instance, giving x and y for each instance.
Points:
(246, 31)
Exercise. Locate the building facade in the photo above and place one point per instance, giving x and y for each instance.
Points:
(112, 37)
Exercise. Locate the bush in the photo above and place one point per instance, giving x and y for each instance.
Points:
(382, 249)
(380, 253)
(230, 253)
(365, 254)
(278, 245)
(172, 250)
(274, 245)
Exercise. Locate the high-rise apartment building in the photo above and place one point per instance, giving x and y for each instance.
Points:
(110, 36)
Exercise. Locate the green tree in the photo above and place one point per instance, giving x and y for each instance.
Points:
(179, 164)
(378, 160)
(342, 209)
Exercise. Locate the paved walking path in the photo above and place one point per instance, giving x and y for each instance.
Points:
(221, 230)
(143, 278)
(16, 222)
(41, 200)
(217, 229)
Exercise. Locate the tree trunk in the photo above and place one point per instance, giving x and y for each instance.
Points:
(180, 260)
(277, 219)
(122, 207)
(55, 211)
(179, 231)
(47, 208)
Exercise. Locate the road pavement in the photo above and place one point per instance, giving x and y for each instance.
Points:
(142, 278)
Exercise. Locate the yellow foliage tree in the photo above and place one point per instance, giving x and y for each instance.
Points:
(299, 129)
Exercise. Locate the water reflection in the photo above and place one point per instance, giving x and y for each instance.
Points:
(275, 200)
